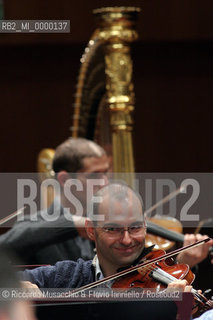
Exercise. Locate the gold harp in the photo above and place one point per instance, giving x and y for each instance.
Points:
(104, 99)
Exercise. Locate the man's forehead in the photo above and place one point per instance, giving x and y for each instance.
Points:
(124, 219)
(115, 210)
(111, 199)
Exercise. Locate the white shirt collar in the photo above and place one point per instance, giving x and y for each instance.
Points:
(98, 272)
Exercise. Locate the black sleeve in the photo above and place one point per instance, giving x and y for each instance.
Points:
(27, 236)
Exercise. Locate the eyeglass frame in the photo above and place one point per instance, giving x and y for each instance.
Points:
(120, 230)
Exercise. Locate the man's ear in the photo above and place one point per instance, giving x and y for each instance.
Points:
(62, 177)
(90, 229)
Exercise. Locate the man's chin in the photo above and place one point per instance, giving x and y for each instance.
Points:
(127, 260)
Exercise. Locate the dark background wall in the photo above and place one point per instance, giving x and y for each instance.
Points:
(173, 79)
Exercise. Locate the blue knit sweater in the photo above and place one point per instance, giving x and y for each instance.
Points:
(64, 274)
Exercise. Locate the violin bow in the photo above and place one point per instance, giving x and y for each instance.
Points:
(164, 200)
(139, 266)
(11, 216)
(178, 237)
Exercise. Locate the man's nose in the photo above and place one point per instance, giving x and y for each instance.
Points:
(126, 238)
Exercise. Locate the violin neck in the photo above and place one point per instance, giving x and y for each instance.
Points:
(166, 278)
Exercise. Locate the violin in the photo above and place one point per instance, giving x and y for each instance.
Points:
(156, 275)
(159, 275)
(156, 271)
(163, 232)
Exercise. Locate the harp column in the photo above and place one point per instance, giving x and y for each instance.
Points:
(117, 31)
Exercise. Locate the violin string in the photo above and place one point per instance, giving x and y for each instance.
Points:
(155, 268)
(158, 270)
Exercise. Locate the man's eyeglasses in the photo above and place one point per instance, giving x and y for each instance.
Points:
(118, 231)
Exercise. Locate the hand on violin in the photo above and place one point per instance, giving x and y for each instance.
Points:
(29, 285)
(197, 254)
(181, 285)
